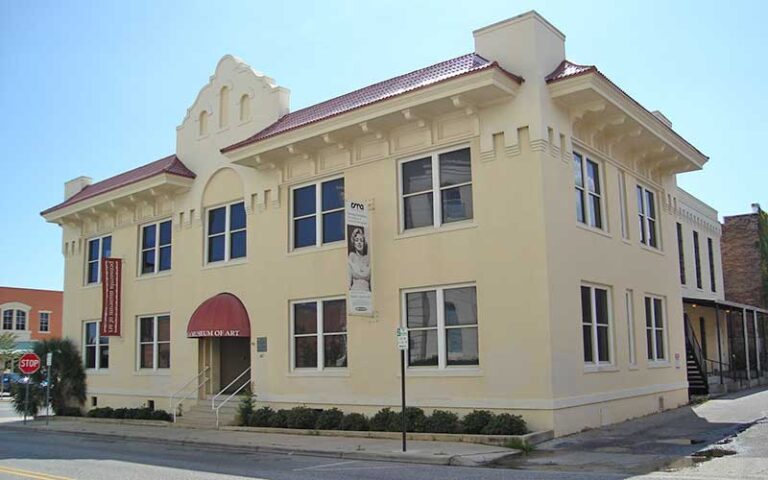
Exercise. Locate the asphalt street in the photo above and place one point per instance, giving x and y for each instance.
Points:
(46, 456)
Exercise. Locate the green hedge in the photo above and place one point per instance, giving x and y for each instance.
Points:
(385, 420)
(143, 413)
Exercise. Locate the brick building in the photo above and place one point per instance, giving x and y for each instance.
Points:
(745, 263)
(30, 314)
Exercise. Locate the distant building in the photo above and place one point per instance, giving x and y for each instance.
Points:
(745, 257)
(31, 315)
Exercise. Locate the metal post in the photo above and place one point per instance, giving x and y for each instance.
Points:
(47, 394)
(719, 346)
(746, 344)
(757, 344)
(402, 394)
(26, 400)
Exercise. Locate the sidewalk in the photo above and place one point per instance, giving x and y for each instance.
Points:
(433, 453)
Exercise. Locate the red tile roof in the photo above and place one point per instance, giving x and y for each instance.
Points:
(170, 165)
(568, 69)
(377, 92)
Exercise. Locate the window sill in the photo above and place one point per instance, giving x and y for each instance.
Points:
(449, 227)
(633, 367)
(651, 249)
(44, 333)
(149, 372)
(223, 264)
(417, 372)
(659, 364)
(596, 230)
(338, 245)
(600, 368)
(340, 372)
(151, 276)
(89, 286)
(97, 372)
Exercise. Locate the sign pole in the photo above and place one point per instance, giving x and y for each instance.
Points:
(26, 400)
(402, 394)
(48, 362)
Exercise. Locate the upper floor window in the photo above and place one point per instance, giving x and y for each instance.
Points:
(317, 213)
(442, 327)
(596, 325)
(226, 233)
(8, 319)
(681, 253)
(711, 255)
(96, 348)
(98, 248)
(45, 322)
(588, 191)
(436, 189)
(319, 331)
(697, 258)
(21, 320)
(156, 247)
(654, 327)
(646, 212)
(14, 319)
(155, 342)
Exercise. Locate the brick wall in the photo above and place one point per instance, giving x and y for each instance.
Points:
(741, 260)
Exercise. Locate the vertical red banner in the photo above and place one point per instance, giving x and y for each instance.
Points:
(111, 284)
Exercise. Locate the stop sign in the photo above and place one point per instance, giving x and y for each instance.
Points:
(29, 363)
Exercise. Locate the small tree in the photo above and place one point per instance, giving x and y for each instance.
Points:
(7, 348)
(67, 374)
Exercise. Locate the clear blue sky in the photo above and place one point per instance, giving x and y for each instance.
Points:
(98, 87)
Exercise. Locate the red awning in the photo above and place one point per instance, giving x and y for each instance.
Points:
(222, 315)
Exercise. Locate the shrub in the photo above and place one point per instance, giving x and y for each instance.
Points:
(506, 424)
(302, 417)
(261, 417)
(521, 445)
(383, 418)
(330, 419)
(355, 421)
(244, 411)
(161, 415)
(36, 399)
(143, 413)
(442, 421)
(71, 412)
(476, 421)
(415, 420)
(103, 412)
(279, 419)
(120, 413)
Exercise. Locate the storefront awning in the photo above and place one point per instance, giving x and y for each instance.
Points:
(222, 315)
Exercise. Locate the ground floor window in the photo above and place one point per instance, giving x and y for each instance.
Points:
(654, 328)
(96, 348)
(155, 342)
(596, 324)
(442, 326)
(319, 331)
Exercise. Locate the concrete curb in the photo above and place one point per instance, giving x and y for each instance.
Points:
(473, 460)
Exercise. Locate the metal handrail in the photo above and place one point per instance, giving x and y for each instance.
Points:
(245, 384)
(173, 406)
(698, 353)
(213, 400)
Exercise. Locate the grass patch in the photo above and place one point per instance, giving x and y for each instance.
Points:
(519, 444)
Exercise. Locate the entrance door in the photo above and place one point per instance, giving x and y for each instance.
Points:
(234, 358)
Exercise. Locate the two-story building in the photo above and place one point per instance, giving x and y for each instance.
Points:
(30, 315)
(521, 228)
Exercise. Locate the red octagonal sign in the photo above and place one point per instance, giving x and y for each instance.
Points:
(29, 363)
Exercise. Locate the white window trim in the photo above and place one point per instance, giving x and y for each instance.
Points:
(629, 305)
(318, 214)
(40, 320)
(596, 364)
(156, 248)
(318, 336)
(442, 356)
(586, 193)
(87, 261)
(155, 342)
(656, 360)
(644, 218)
(227, 234)
(15, 307)
(98, 345)
(437, 204)
(698, 270)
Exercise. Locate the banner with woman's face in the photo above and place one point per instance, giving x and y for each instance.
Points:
(359, 288)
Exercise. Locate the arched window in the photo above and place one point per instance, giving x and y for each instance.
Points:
(203, 120)
(245, 108)
(223, 106)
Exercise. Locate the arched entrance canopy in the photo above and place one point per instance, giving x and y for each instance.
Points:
(222, 315)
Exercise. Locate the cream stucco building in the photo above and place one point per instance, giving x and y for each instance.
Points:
(522, 228)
